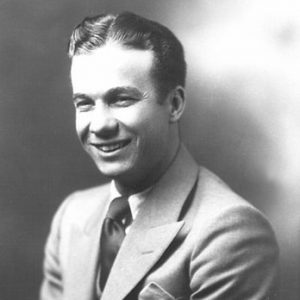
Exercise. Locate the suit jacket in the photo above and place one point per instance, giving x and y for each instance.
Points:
(193, 238)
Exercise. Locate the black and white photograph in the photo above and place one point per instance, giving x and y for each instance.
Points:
(150, 150)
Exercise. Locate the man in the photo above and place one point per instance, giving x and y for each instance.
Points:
(183, 233)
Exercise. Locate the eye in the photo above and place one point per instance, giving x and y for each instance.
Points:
(83, 105)
(123, 101)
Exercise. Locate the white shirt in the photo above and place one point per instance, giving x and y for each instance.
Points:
(135, 201)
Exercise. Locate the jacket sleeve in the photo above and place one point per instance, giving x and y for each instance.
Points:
(238, 258)
(52, 286)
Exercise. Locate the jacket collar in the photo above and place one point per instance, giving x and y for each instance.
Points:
(155, 227)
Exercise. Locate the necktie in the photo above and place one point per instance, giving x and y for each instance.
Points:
(113, 233)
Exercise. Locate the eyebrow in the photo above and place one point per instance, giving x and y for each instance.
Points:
(80, 96)
(124, 89)
(112, 93)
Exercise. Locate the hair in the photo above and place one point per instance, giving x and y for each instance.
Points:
(134, 32)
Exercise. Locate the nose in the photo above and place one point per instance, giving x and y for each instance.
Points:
(103, 123)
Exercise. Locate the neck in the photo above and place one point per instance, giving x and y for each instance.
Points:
(126, 187)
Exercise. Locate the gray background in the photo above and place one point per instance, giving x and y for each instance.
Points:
(242, 119)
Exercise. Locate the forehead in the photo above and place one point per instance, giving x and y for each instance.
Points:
(109, 66)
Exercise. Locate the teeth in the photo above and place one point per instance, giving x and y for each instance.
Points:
(110, 148)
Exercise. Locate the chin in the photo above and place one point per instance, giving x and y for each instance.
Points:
(113, 171)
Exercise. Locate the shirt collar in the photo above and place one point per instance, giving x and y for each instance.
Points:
(135, 200)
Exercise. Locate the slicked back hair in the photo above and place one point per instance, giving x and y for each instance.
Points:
(134, 32)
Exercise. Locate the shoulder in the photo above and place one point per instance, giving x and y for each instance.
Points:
(81, 205)
(88, 199)
(222, 218)
(226, 222)
(232, 241)
(216, 197)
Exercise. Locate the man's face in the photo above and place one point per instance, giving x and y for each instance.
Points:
(120, 119)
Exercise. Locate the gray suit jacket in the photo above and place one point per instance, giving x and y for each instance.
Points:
(193, 238)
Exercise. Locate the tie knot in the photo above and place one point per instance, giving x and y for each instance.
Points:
(118, 208)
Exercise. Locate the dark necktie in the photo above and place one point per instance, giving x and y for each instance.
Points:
(113, 233)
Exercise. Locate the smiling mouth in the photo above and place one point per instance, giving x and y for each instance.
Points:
(111, 147)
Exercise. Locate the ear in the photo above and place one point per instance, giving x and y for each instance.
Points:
(176, 103)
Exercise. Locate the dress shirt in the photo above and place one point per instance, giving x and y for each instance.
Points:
(135, 201)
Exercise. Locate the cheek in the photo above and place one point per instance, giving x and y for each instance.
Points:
(148, 123)
(140, 116)
(81, 124)
(153, 132)
(140, 125)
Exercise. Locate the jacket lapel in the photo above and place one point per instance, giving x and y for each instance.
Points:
(83, 265)
(154, 228)
(83, 262)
